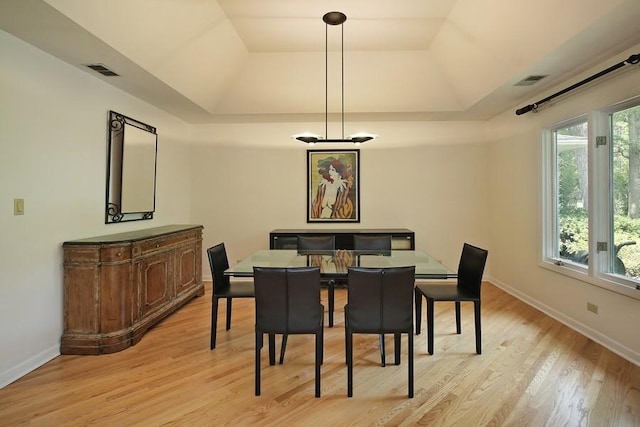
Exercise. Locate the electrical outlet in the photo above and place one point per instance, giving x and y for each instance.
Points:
(592, 308)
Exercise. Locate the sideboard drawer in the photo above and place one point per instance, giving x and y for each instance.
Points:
(115, 253)
(152, 245)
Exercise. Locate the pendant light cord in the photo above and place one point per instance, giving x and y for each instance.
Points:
(333, 18)
(326, 78)
(326, 81)
(342, 71)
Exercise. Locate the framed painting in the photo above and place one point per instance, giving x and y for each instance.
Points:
(333, 185)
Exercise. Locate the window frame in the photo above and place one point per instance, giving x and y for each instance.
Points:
(600, 163)
(550, 197)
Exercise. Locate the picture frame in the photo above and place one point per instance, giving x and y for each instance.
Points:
(333, 186)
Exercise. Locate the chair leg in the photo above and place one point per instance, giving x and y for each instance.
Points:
(430, 308)
(476, 307)
(331, 297)
(346, 338)
(258, 348)
(272, 349)
(396, 347)
(319, 346)
(229, 302)
(214, 322)
(283, 347)
(382, 351)
(418, 302)
(410, 354)
(349, 338)
(458, 325)
(322, 336)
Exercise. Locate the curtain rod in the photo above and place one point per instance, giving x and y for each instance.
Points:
(633, 59)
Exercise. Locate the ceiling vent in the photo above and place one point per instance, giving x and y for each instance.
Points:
(528, 81)
(102, 70)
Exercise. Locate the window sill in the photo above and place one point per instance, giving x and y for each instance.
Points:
(580, 273)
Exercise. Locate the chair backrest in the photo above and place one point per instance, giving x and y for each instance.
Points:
(218, 262)
(287, 299)
(380, 299)
(471, 268)
(372, 244)
(308, 244)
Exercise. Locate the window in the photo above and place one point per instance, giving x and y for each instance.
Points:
(571, 234)
(591, 196)
(625, 192)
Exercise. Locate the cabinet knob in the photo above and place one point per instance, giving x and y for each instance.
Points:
(157, 245)
(118, 254)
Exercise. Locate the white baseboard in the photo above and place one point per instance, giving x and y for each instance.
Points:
(32, 363)
(619, 349)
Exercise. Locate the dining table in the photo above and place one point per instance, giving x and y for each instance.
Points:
(335, 264)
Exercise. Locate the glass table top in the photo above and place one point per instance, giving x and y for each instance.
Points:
(336, 263)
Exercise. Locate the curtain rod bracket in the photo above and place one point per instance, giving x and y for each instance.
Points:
(633, 59)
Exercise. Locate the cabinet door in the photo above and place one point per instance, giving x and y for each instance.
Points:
(344, 241)
(188, 273)
(81, 298)
(284, 242)
(154, 279)
(402, 242)
(115, 297)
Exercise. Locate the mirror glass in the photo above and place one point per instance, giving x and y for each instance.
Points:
(131, 173)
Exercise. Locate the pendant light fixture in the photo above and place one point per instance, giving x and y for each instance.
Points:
(333, 18)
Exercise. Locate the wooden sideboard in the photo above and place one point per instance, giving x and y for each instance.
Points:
(401, 238)
(118, 286)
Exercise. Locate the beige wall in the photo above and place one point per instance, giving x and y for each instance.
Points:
(440, 192)
(444, 181)
(515, 218)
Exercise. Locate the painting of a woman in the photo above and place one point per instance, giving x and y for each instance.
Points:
(333, 181)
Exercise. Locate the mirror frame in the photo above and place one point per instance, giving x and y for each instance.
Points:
(115, 156)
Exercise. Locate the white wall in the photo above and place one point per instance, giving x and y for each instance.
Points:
(515, 220)
(53, 145)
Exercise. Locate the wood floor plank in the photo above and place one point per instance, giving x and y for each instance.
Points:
(533, 371)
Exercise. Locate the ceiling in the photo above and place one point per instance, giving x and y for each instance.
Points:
(235, 61)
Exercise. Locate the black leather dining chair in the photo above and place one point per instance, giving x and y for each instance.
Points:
(313, 245)
(379, 301)
(288, 302)
(467, 288)
(223, 287)
(364, 244)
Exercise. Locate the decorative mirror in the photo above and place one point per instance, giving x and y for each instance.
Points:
(131, 172)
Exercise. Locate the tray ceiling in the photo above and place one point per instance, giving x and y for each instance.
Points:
(209, 61)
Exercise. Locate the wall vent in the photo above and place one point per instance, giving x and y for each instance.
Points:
(102, 70)
(530, 80)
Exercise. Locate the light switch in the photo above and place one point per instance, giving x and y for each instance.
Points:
(18, 206)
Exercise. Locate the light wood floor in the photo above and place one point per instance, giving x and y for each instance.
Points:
(533, 372)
